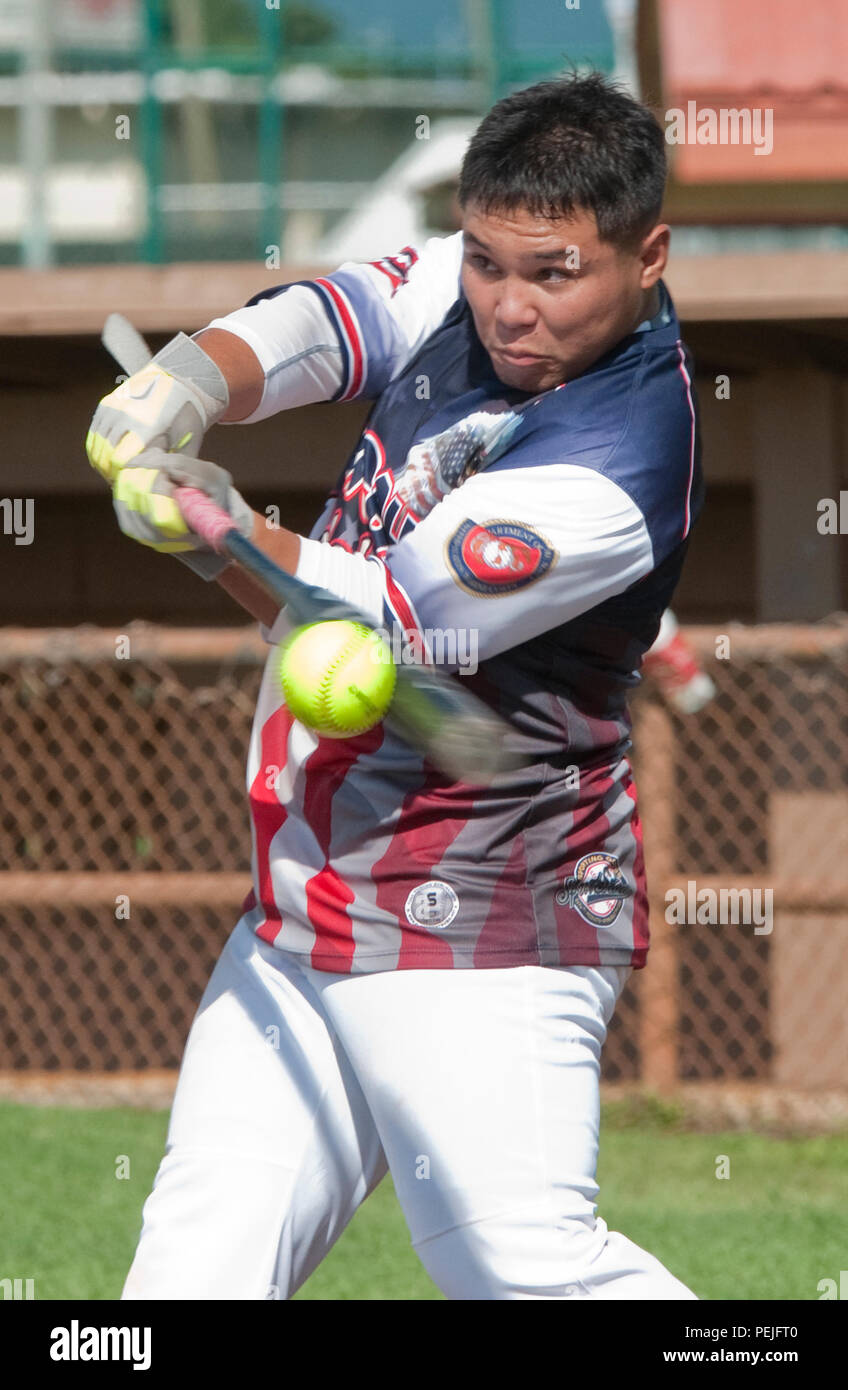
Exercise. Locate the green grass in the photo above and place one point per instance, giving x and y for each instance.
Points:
(772, 1230)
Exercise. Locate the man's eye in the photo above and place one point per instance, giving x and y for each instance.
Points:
(484, 264)
(481, 261)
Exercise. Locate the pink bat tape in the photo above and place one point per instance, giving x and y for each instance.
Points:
(205, 518)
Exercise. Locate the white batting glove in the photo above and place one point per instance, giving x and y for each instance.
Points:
(147, 512)
(169, 404)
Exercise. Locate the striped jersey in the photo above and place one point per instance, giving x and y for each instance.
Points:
(529, 544)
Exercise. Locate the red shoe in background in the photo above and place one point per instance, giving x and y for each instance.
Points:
(672, 663)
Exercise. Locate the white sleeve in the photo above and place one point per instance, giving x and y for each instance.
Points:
(506, 556)
(296, 347)
(347, 334)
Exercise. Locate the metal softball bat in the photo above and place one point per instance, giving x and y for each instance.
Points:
(455, 730)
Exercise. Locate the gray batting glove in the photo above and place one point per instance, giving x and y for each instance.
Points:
(146, 511)
(169, 404)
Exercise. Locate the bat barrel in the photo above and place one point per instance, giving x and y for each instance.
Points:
(459, 733)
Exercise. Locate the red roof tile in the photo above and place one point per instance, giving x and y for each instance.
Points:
(768, 55)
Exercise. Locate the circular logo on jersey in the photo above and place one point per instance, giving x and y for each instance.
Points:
(497, 558)
(596, 889)
(432, 904)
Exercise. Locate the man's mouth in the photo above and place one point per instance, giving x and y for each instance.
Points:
(518, 358)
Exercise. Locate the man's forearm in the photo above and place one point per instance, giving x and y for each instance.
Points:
(281, 546)
(240, 367)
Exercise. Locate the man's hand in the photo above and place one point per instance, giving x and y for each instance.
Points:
(169, 404)
(146, 510)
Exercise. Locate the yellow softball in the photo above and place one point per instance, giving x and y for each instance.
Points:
(337, 678)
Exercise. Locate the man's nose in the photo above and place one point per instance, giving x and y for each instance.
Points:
(514, 308)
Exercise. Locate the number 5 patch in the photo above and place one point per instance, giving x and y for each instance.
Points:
(498, 557)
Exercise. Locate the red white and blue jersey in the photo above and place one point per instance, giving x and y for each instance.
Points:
(530, 544)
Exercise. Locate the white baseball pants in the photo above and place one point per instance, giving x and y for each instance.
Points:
(478, 1089)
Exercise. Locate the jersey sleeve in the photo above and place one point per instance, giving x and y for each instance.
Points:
(509, 554)
(348, 334)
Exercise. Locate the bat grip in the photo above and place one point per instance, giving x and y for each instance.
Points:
(204, 517)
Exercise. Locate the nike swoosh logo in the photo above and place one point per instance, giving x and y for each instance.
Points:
(142, 395)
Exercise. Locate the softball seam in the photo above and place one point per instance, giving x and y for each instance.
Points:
(354, 643)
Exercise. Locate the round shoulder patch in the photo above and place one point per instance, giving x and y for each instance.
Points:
(498, 557)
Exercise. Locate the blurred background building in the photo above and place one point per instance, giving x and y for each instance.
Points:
(171, 157)
(249, 122)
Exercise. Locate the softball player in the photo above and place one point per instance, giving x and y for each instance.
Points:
(423, 974)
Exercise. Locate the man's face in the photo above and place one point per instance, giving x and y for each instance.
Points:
(565, 309)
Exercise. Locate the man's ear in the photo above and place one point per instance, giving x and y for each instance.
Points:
(653, 254)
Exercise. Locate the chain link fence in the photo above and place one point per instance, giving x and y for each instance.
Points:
(125, 854)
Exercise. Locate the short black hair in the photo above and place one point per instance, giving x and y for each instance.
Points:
(574, 142)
